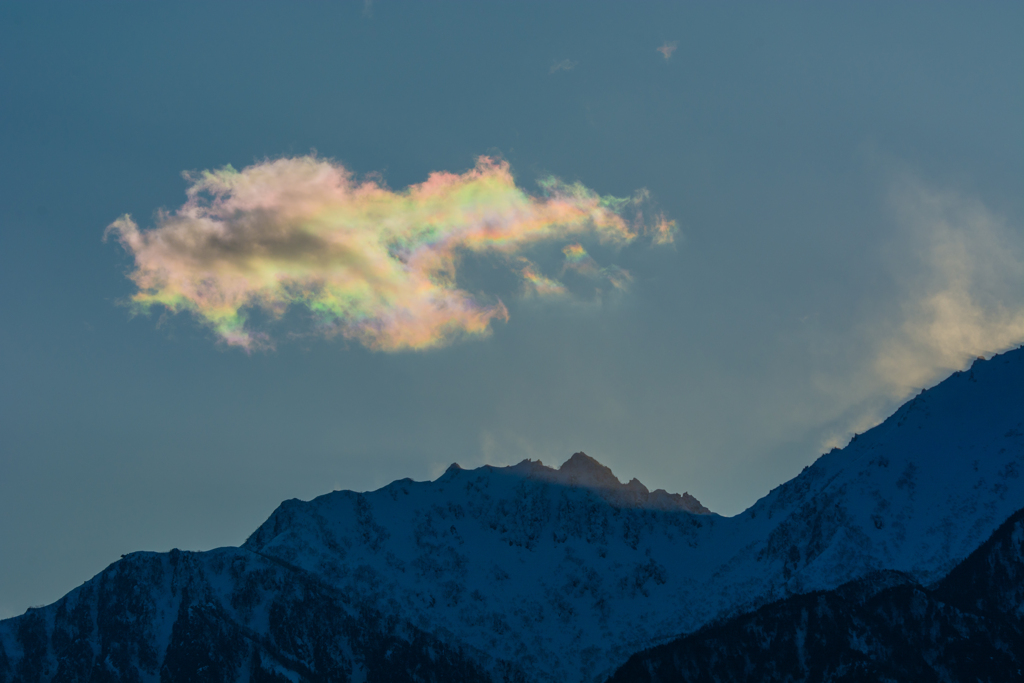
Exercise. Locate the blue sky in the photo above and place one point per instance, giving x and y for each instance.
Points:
(846, 180)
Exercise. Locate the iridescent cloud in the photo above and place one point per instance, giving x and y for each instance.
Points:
(578, 260)
(536, 283)
(363, 261)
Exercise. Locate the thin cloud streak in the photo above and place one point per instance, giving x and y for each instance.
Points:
(362, 261)
(578, 260)
(534, 282)
(564, 65)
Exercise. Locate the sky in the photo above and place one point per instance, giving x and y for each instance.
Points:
(253, 254)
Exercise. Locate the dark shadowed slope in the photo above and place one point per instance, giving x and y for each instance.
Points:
(969, 627)
(218, 617)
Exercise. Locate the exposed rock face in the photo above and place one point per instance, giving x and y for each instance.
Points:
(886, 627)
(534, 573)
(582, 471)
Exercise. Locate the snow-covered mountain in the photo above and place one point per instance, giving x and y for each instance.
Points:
(882, 627)
(529, 572)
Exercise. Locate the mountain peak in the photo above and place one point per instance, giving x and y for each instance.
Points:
(583, 470)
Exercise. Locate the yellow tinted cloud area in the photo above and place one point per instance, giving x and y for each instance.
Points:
(366, 262)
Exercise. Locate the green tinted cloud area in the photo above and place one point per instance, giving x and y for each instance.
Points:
(766, 136)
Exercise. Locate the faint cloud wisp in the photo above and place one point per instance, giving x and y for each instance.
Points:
(958, 272)
(966, 297)
(578, 260)
(564, 65)
(361, 261)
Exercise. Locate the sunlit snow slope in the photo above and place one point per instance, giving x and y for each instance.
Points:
(562, 574)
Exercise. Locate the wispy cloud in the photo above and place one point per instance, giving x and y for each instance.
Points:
(363, 261)
(564, 65)
(534, 282)
(964, 297)
(667, 48)
(958, 294)
(578, 260)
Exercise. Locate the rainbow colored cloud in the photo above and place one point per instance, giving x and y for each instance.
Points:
(365, 262)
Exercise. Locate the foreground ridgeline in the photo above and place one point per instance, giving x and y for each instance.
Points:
(883, 627)
(529, 573)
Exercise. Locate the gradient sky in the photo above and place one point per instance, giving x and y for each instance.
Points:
(846, 180)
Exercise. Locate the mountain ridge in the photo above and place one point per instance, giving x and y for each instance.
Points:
(533, 573)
